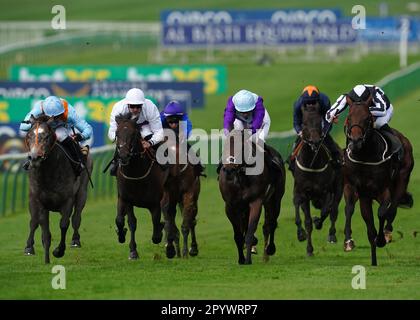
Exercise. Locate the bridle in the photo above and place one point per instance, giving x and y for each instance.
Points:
(365, 131)
(43, 155)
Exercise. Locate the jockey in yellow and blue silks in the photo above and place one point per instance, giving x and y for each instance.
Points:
(65, 119)
(174, 117)
(310, 96)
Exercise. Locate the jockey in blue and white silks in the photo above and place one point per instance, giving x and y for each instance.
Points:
(65, 119)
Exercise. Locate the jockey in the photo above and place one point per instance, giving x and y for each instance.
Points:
(148, 119)
(171, 117)
(310, 96)
(245, 110)
(65, 120)
(381, 109)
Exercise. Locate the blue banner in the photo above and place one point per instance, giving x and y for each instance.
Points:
(189, 94)
(252, 33)
(386, 30)
(205, 17)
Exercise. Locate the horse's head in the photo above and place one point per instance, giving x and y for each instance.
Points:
(232, 156)
(40, 139)
(128, 139)
(359, 123)
(312, 124)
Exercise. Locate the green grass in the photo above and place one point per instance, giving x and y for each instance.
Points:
(101, 270)
(143, 10)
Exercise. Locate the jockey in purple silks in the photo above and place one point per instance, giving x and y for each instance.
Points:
(245, 110)
(174, 117)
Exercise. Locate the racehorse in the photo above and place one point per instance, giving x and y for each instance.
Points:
(372, 172)
(316, 180)
(245, 195)
(140, 181)
(182, 188)
(53, 187)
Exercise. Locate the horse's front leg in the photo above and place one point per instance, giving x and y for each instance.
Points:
(367, 214)
(120, 220)
(64, 225)
(325, 210)
(254, 217)
(157, 224)
(189, 213)
(384, 205)
(308, 226)
(350, 197)
(301, 233)
(132, 225)
(238, 234)
(171, 229)
(33, 225)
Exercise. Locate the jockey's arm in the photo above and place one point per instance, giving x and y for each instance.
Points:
(265, 128)
(153, 117)
(229, 116)
(36, 112)
(297, 116)
(336, 108)
(116, 109)
(380, 104)
(80, 124)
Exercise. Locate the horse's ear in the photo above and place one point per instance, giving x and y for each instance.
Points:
(32, 119)
(349, 101)
(118, 118)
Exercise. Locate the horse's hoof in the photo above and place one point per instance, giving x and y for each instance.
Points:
(58, 253)
(193, 251)
(317, 223)
(332, 238)
(380, 242)
(301, 235)
(157, 238)
(254, 250)
(29, 251)
(271, 249)
(75, 244)
(121, 235)
(309, 253)
(248, 261)
(133, 255)
(349, 245)
(170, 251)
(388, 236)
(241, 260)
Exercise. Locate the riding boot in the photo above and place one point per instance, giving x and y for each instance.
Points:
(75, 154)
(198, 168)
(27, 164)
(291, 158)
(274, 161)
(396, 145)
(336, 159)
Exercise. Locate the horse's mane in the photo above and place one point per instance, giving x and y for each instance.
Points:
(125, 117)
(42, 118)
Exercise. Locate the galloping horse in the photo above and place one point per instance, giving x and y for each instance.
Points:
(315, 179)
(371, 172)
(140, 182)
(182, 188)
(53, 187)
(245, 195)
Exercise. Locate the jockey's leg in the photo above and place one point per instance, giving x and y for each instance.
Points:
(75, 154)
(335, 153)
(291, 158)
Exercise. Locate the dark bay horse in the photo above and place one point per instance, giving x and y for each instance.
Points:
(53, 186)
(140, 182)
(245, 195)
(182, 188)
(316, 180)
(373, 173)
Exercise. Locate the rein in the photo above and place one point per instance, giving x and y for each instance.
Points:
(306, 169)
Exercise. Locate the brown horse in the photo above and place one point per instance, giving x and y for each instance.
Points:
(182, 188)
(373, 173)
(245, 195)
(53, 187)
(316, 180)
(140, 182)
